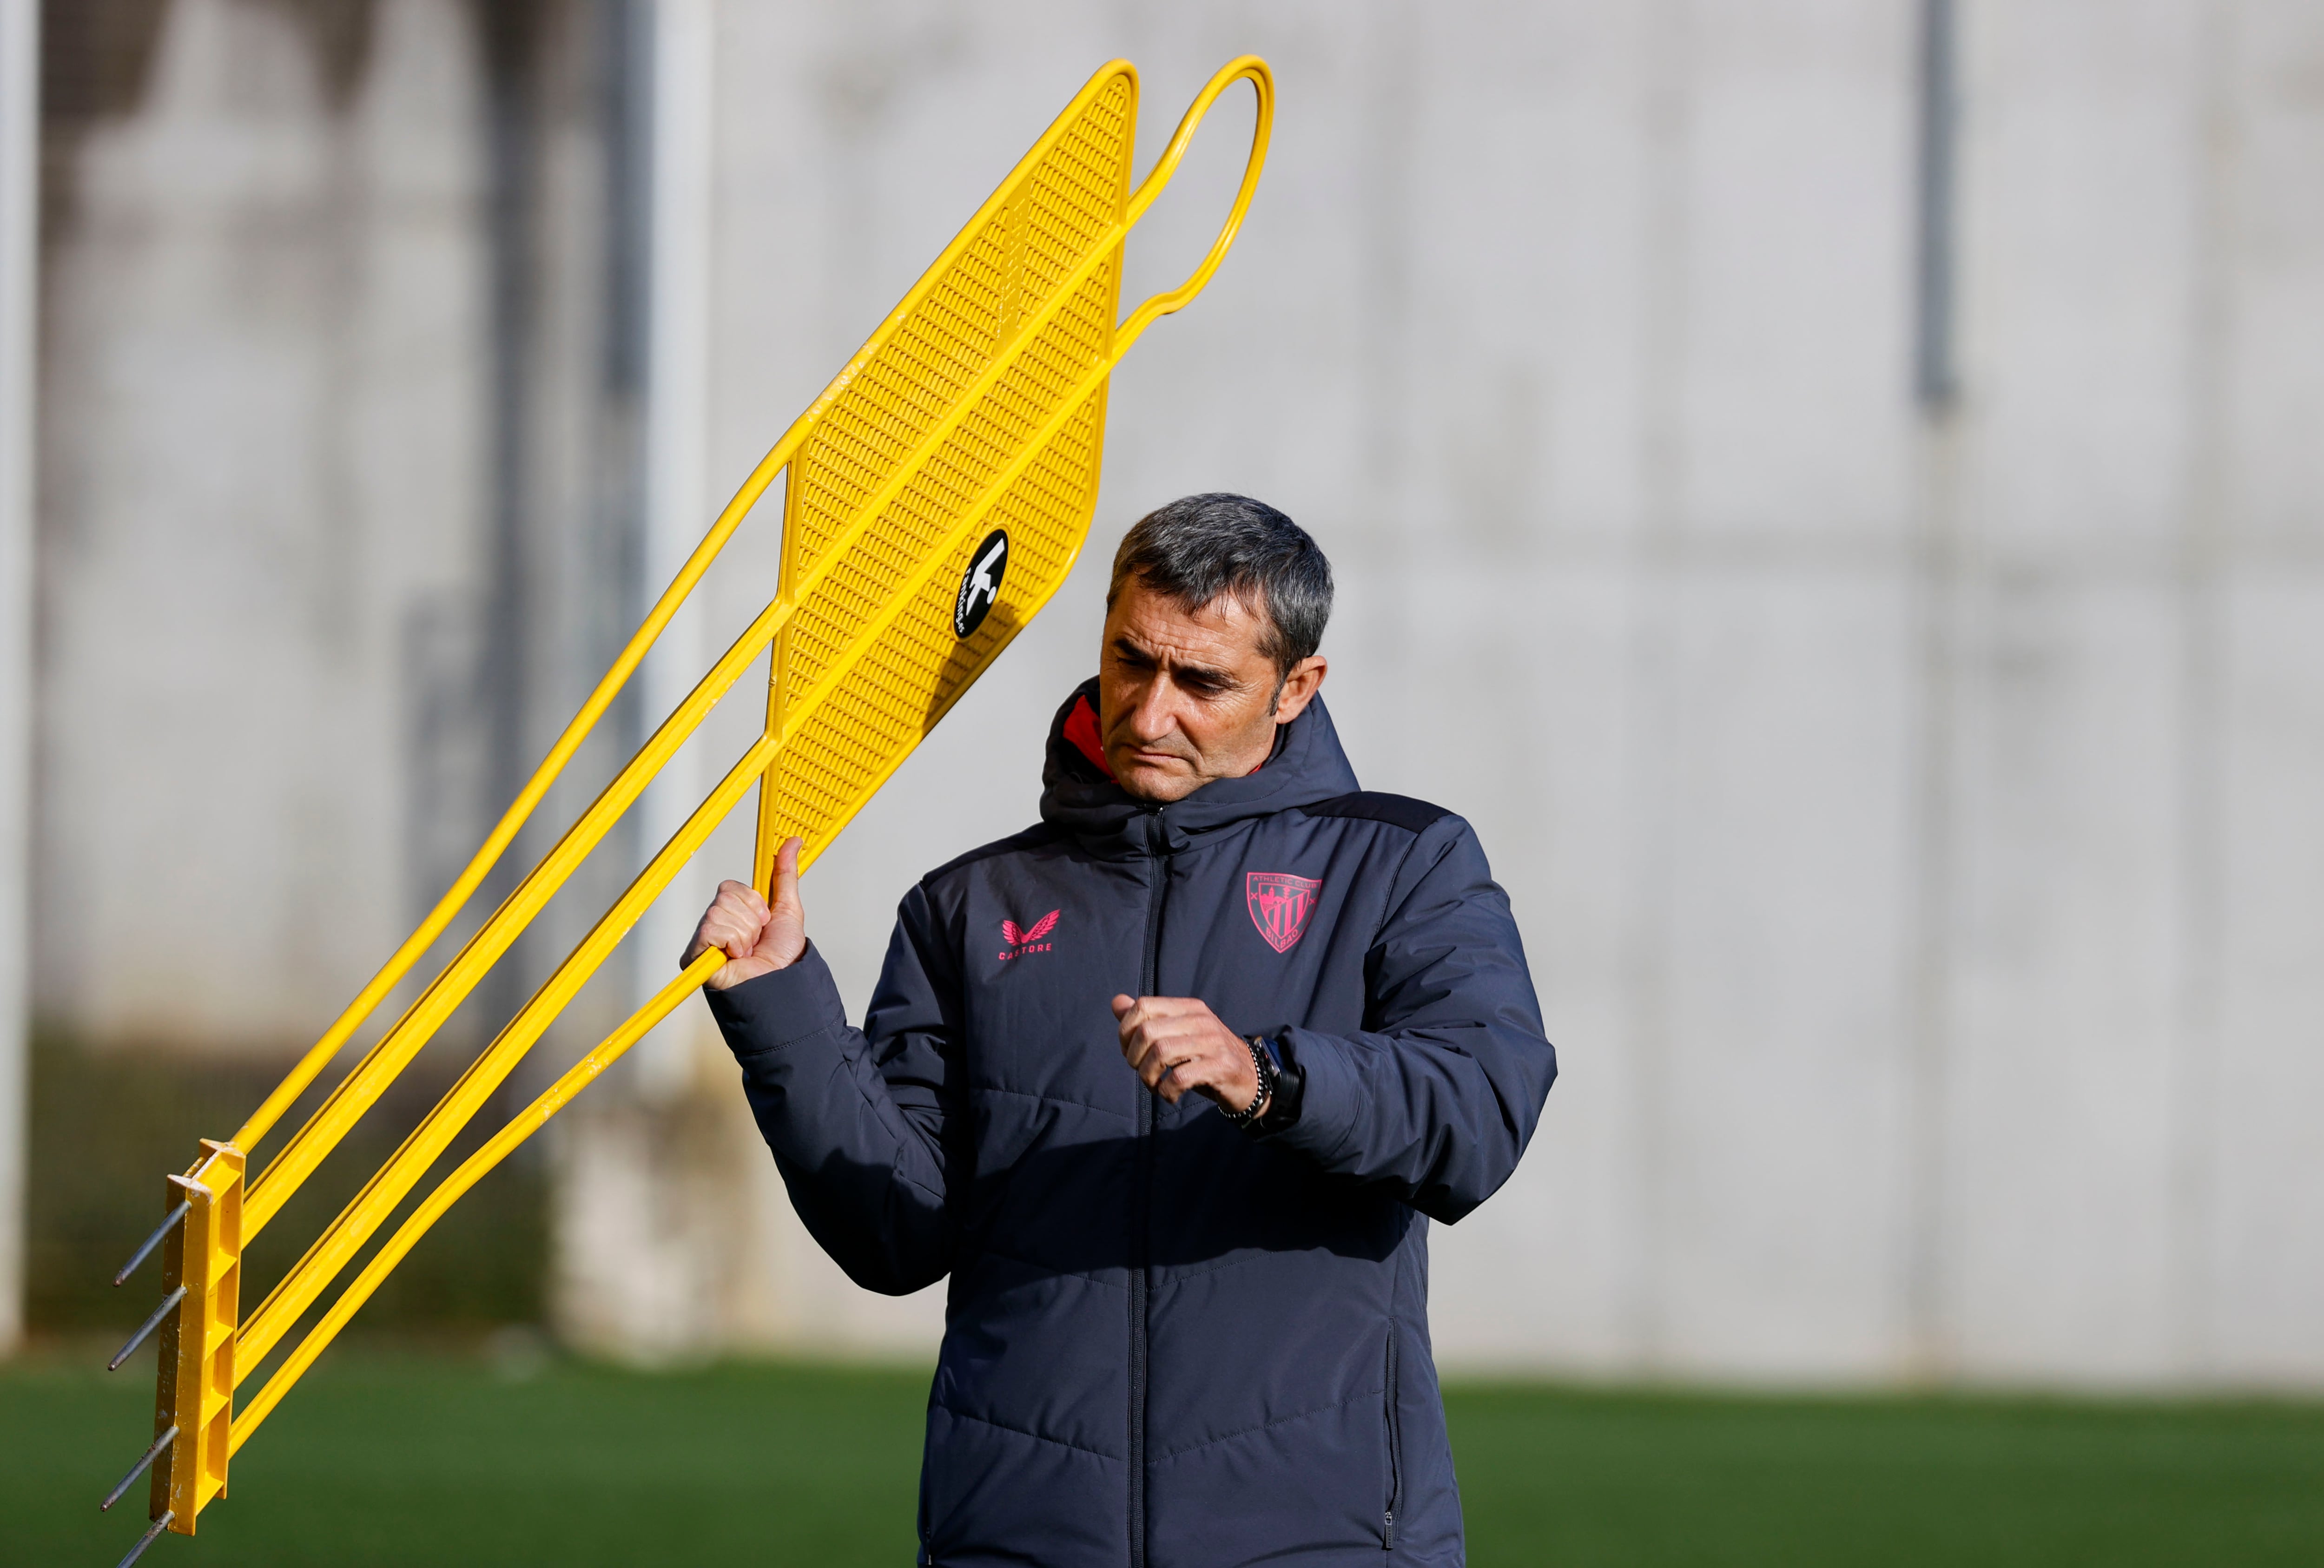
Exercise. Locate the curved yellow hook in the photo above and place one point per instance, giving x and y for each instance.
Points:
(1262, 83)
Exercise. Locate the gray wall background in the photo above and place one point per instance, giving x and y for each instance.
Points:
(1909, 801)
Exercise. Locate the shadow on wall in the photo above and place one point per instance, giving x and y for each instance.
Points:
(107, 1127)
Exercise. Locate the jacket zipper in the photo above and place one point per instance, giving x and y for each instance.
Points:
(1395, 1452)
(1139, 1206)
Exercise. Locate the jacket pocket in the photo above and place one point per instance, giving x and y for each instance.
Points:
(1394, 1450)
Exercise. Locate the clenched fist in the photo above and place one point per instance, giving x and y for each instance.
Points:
(1176, 1043)
(758, 939)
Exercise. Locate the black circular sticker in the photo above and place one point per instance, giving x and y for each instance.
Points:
(980, 584)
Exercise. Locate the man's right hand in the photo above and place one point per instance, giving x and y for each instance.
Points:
(758, 940)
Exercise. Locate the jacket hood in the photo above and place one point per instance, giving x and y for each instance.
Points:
(1077, 796)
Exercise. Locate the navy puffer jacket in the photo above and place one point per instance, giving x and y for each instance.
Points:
(1169, 1343)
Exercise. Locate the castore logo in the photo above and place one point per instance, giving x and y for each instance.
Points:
(1029, 939)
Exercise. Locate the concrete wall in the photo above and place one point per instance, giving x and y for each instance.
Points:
(1908, 807)
(266, 426)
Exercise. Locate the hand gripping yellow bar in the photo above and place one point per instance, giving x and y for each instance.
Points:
(939, 491)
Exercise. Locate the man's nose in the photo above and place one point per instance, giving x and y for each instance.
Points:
(1156, 714)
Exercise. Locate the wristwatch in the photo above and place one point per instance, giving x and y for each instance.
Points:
(1262, 1063)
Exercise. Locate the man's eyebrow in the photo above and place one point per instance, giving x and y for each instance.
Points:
(1199, 674)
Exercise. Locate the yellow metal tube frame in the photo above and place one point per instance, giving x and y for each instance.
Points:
(1011, 432)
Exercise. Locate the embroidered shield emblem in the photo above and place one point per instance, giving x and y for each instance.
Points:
(1279, 905)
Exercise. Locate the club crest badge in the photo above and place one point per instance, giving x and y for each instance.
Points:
(980, 585)
(1279, 905)
(1026, 939)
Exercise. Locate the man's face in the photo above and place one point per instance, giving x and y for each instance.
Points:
(1186, 697)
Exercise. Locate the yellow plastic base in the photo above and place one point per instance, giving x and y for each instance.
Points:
(194, 1380)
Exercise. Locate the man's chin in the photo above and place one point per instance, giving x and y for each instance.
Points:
(1161, 783)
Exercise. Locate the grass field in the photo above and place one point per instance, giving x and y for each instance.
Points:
(409, 1459)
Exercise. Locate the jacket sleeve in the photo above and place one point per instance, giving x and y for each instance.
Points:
(857, 1119)
(1438, 1093)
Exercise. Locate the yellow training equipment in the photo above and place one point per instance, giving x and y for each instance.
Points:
(939, 492)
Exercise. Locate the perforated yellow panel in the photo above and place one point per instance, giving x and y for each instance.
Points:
(958, 388)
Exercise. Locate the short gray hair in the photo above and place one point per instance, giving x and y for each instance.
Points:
(1200, 546)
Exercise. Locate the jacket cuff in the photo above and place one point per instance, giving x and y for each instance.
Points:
(1330, 1099)
(781, 1008)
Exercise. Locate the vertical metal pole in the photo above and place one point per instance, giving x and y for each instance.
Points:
(1935, 378)
(510, 36)
(20, 216)
(679, 214)
(1928, 1262)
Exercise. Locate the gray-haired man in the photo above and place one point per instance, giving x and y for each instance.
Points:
(1169, 1085)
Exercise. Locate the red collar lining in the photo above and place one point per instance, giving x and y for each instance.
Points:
(1081, 729)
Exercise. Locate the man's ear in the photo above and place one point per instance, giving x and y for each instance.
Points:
(1300, 686)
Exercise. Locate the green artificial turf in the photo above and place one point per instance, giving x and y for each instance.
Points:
(446, 1460)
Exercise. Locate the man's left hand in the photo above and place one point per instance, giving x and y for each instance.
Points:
(1176, 1043)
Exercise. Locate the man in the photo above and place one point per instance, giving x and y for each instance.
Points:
(1171, 1086)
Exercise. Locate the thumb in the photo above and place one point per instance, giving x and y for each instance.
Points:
(783, 937)
(787, 893)
(1121, 1006)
